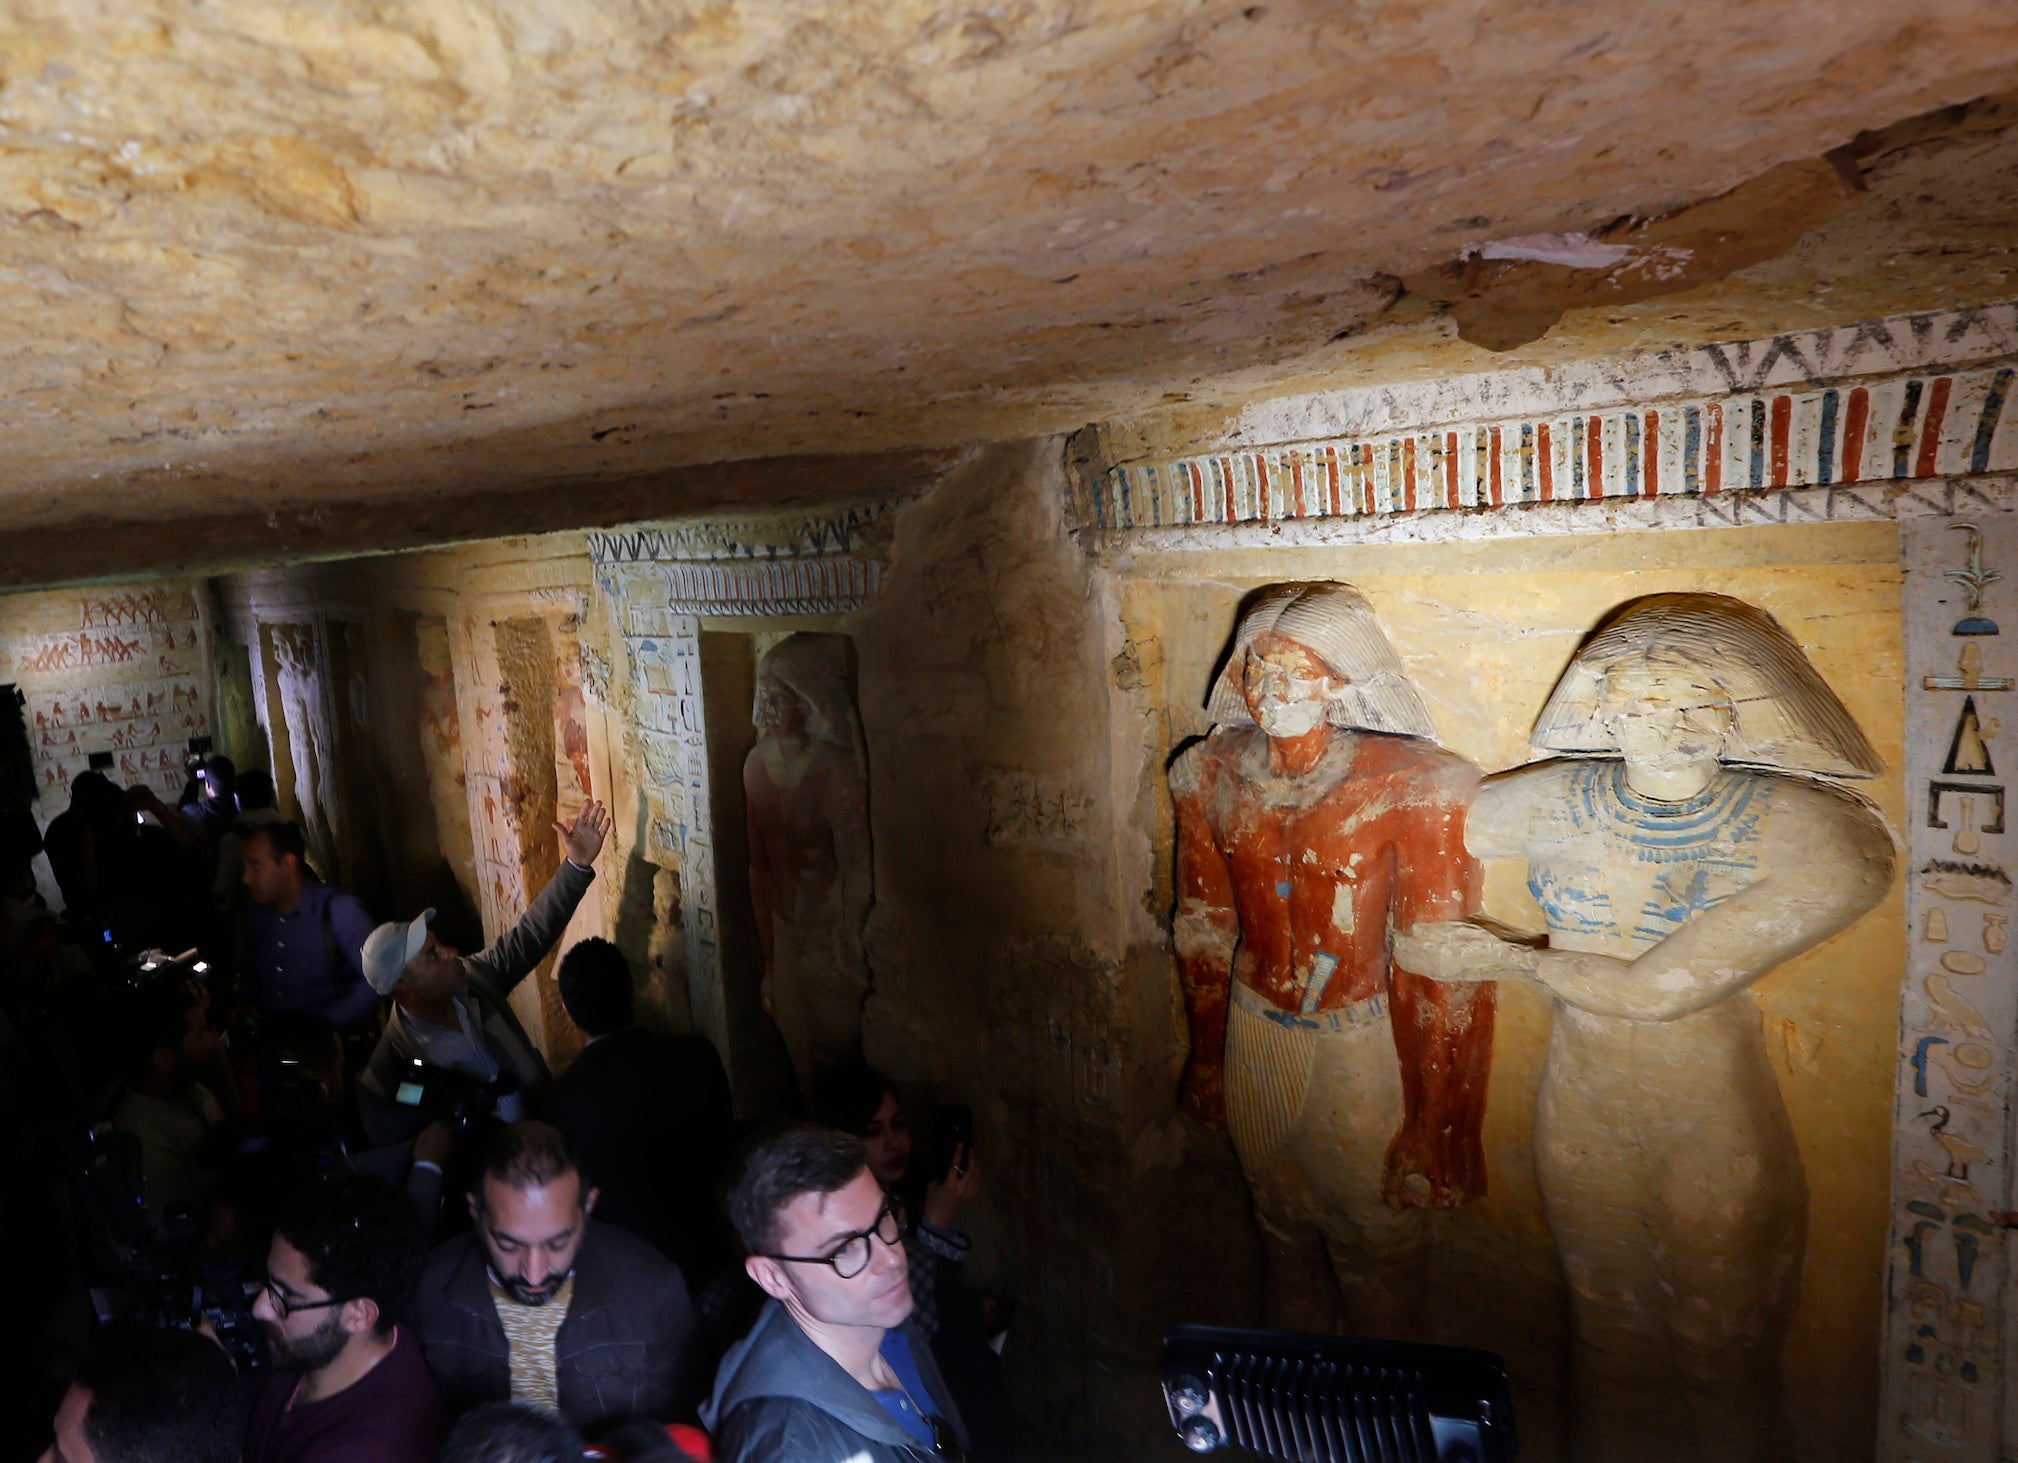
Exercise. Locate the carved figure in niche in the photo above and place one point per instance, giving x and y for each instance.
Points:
(1686, 846)
(806, 787)
(1315, 819)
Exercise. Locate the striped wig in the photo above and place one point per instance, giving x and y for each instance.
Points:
(1334, 623)
(1784, 717)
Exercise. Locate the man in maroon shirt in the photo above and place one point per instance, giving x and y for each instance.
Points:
(350, 1386)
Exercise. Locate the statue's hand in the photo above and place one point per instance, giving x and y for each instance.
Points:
(1459, 950)
(1416, 1175)
(1201, 1096)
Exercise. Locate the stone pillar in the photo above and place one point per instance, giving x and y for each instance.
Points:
(1946, 1367)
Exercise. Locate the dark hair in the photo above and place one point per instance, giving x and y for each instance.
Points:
(595, 982)
(161, 1396)
(153, 1017)
(361, 1238)
(255, 789)
(780, 1163)
(848, 1097)
(284, 837)
(526, 1156)
(510, 1432)
(222, 772)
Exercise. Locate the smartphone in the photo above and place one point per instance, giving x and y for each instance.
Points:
(956, 1131)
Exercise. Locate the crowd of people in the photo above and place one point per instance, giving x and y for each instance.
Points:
(302, 1188)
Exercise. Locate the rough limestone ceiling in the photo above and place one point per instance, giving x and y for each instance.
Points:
(261, 259)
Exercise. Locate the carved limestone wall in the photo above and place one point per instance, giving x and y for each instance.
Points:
(123, 669)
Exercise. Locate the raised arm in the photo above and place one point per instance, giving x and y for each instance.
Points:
(1205, 931)
(519, 949)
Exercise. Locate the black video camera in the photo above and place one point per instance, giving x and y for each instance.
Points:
(172, 1283)
(165, 1279)
(441, 1094)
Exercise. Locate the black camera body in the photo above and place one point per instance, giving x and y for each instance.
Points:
(157, 1278)
(441, 1094)
(171, 1285)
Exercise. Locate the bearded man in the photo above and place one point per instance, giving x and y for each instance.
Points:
(349, 1385)
(1316, 821)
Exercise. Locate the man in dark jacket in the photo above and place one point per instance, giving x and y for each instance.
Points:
(544, 1306)
(831, 1373)
(648, 1114)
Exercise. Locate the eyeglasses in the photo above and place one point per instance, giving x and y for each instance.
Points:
(283, 1306)
(850, 1256)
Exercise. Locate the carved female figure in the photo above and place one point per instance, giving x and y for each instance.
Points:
(1316, 819)
(1687, 845)
(806, 789)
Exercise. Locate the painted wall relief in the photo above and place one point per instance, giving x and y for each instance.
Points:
(805, 785)
(1691, 838)
(1317, 817)
(123, 671)
(1947, 1387)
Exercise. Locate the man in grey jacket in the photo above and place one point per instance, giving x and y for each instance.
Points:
(831, 1372)
(450, 1012)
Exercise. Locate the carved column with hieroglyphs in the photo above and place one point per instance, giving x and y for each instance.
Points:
(1946, 1365)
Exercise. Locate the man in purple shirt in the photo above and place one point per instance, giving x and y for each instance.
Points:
(304, 940)
(349, 1385)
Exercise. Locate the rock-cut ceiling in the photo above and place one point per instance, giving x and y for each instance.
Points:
(322, 276)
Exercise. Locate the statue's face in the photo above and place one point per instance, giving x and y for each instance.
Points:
(1288, 689)
(780, 712)
(1664, 719)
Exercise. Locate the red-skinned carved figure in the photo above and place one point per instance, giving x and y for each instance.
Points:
(1317, 820)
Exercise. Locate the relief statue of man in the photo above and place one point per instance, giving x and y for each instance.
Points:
(1316, 820)
(806, 787)
(1687, 843)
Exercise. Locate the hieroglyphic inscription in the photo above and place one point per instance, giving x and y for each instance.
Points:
(1945, 1374)
(672, 732)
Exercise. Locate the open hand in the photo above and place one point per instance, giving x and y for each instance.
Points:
(584, 839)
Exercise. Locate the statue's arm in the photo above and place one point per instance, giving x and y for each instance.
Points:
(761, 899)
(1442, 1031)
(1828, 857)
(1205, 931)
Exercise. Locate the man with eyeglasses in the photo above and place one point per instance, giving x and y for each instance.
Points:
(349, 1385)
(831, 1372)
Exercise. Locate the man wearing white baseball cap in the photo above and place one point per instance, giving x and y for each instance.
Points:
(450, 1011)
